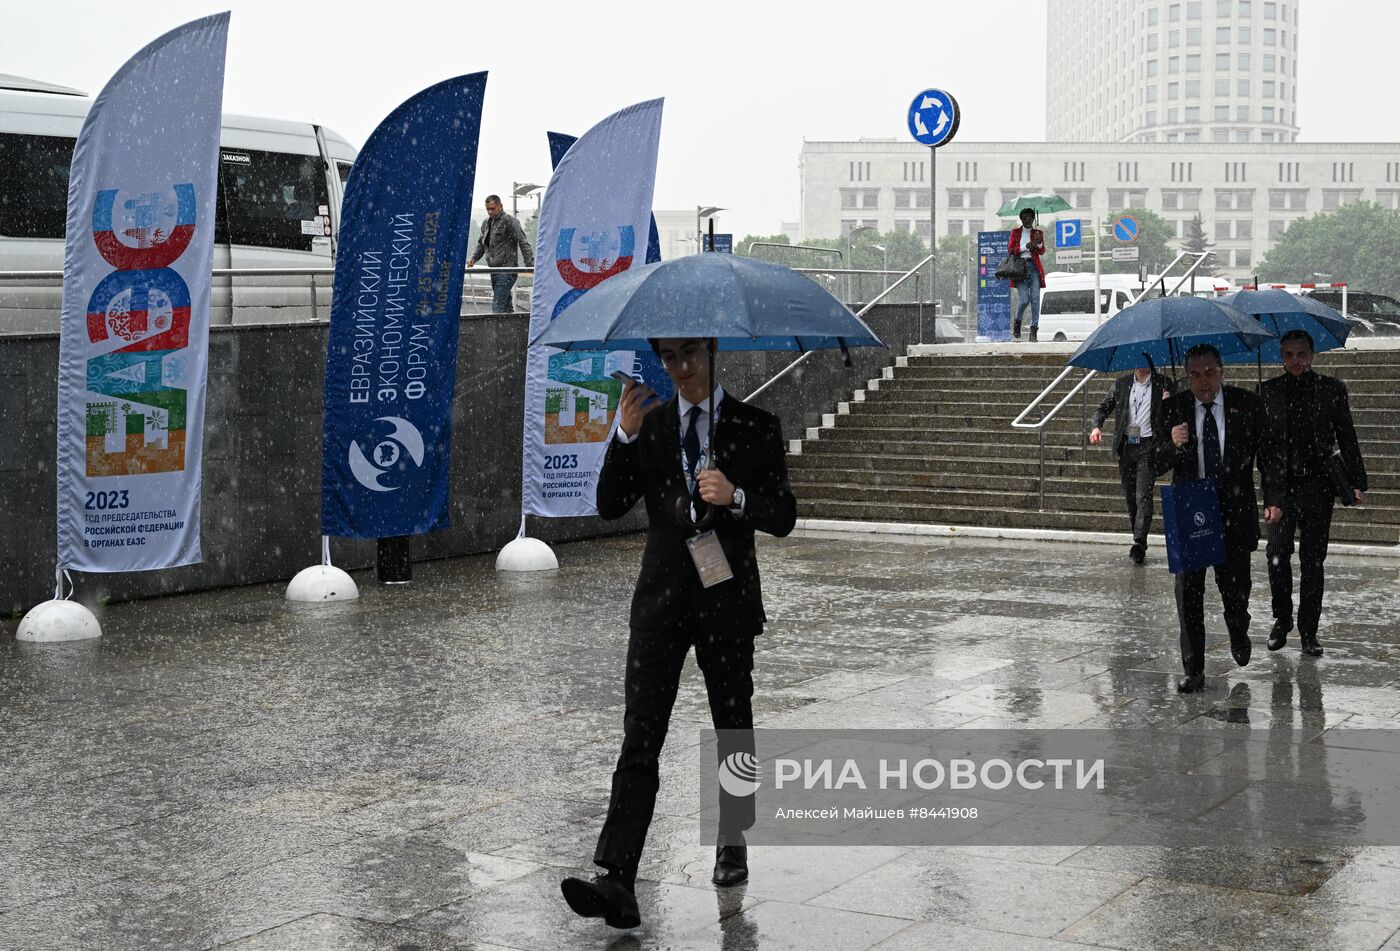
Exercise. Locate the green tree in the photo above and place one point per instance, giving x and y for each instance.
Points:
(1196, 239)
(1355, 244)
(954, 261)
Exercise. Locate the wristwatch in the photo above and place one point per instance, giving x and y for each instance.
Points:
(738, 507)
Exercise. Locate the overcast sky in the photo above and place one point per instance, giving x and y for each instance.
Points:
(744, 82)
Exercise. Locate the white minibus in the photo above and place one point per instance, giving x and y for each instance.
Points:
(280, 188)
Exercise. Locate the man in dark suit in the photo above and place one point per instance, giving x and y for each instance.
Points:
(1313, 413)
(658, 456)
(1220, 432)
(1132, 396)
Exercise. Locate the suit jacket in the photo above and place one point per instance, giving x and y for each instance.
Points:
(1013, 246)
(1250, 440)
(749, 450)
(1329, 420)
(1120, 395)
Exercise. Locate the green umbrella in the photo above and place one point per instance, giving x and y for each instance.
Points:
(1040, 204)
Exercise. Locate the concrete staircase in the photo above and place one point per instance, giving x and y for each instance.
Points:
(931, 442)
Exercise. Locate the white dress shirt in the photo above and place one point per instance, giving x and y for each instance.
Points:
(1140, 407)
(1217, 409)
(702, 430)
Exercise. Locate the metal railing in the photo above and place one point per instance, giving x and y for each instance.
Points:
(1079, 388)
(476, 282)
(912, 272)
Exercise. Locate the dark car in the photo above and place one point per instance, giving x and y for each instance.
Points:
(1370, 315)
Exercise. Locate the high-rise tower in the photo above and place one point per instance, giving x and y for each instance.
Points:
(1172, 71)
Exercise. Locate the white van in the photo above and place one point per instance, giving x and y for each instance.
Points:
(280, 188)
(1067, 302)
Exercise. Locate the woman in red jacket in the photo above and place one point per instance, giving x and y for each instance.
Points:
(1029, 243)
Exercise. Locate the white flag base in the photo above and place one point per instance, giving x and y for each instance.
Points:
(526, 554)
(322, 583)
(58, 620)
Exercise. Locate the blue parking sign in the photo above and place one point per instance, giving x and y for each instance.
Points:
(1068, 234)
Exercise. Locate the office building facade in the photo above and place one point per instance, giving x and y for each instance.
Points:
(1247, 195)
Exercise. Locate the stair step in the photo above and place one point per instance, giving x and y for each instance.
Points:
(1355, 533)
(1078, 498)
(933, 442)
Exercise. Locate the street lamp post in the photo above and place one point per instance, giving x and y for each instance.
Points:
(701, 212)
(516, 190)
(851, 246)
(884, 256)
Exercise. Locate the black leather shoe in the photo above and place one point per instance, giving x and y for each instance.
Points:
(1191, 683)
(731, 865)
(1279, 635)
(607, 897)
(1138, 553)
(1243, 652)
(1310, 645)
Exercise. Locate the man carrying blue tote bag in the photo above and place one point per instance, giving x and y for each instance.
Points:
(1191, 520)
(1220, 434)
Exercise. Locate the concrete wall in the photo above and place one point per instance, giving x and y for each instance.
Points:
(262, 455)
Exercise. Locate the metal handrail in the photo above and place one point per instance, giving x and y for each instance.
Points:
(860, 313)
(844, 270)
(798, 247)
(1200, 259)
(255, 272)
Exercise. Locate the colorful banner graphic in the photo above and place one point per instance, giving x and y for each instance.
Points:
(133, 348)
(391, 360)
(646, 365)
(993, 294)
(597, 204)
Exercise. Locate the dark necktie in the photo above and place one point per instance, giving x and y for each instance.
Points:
(691, 442)
(1210, 445)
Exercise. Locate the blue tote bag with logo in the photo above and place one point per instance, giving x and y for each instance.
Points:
(1194, 529)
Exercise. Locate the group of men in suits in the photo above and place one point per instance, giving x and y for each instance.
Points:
(1210, 430)
(711, 471)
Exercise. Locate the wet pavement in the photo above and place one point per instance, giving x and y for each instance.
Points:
(419, 769)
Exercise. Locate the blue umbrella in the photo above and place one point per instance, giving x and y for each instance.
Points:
(1161, 330)
(1281, 312)
(746, 304)
(742, 303)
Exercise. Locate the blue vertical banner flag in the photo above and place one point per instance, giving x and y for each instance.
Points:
(993, 294)
(134, 333)
(391, 359)
(595, 211)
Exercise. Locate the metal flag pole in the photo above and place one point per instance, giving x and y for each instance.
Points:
(933, 231)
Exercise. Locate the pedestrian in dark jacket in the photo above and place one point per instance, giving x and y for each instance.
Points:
(1313, 413)
(501, 235)
(1220, 432)
(659, 457)
(1133, 396)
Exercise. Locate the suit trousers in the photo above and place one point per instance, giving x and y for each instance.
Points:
(1233, 580)
(654, 664)
(1307, 512)
(1135, 471)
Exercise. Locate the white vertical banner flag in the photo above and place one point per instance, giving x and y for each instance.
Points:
(133, 350)
(594, 222)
